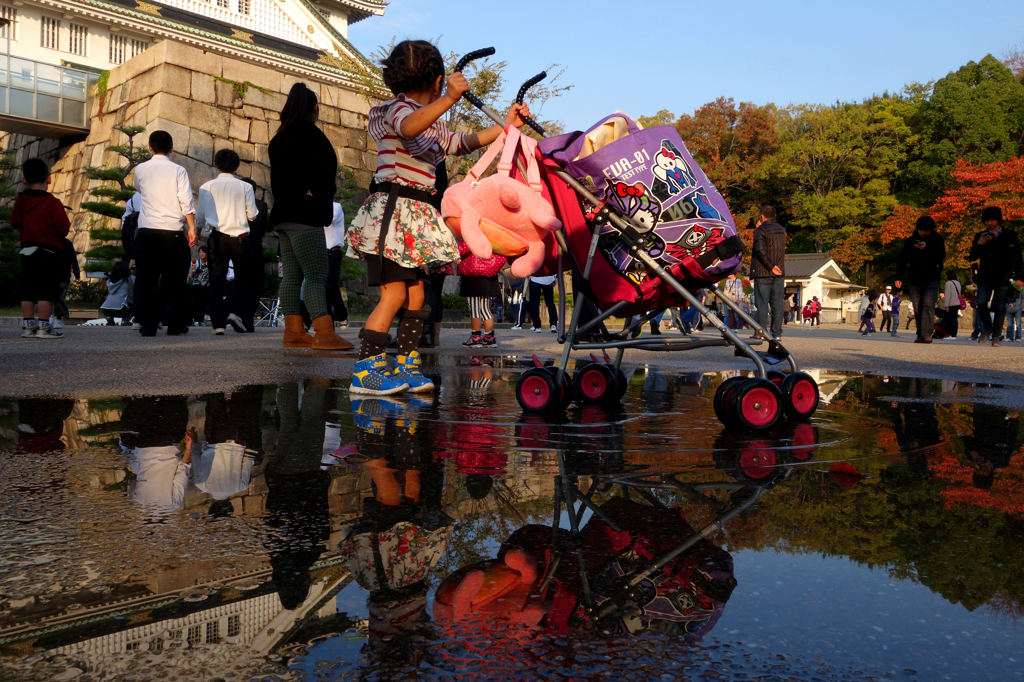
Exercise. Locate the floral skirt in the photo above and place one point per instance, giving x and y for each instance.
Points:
(416, 238)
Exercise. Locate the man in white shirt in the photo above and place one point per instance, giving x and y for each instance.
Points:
(162, 248)
(226, 205)
(885, 305)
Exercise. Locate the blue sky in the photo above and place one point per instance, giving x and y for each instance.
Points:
(641, 57)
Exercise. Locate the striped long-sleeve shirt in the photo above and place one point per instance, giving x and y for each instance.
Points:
(410, 159)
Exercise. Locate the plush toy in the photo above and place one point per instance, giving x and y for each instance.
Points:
(501, 587)
(500, 215)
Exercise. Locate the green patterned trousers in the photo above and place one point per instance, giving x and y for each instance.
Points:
(304, 256)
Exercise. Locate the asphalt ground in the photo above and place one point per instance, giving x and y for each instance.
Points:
(97, 362)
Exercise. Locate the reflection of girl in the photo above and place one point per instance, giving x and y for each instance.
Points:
(394, 546)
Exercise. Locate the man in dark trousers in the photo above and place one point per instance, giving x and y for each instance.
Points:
(767, 269)
(919, 266)
(253, 252)
(163, 239)
(998, 251)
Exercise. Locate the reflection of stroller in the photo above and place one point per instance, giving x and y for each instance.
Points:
(660, 231)
(637, 563)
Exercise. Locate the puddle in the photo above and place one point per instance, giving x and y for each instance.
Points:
(286, 532)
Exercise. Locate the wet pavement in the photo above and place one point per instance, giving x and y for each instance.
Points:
(286, 532)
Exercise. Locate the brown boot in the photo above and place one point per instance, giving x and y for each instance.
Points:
(295, 335)
(326, 338)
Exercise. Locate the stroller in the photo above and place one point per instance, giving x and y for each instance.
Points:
(660, 232)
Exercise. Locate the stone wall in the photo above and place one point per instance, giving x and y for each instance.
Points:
(174, 87)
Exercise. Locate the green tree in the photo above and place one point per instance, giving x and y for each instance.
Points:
(662, 118)
(975, 113)
(840, 159)
(10, 264)
(114, 192)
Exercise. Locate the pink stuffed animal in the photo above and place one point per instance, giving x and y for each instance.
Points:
(500, 215)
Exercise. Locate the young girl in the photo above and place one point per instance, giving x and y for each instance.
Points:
(868, 317)
(119, 294)
(397, 231)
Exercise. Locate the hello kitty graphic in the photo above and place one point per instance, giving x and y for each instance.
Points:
(672, 169)
(635, 201)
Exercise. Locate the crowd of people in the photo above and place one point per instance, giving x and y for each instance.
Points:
(407, 247)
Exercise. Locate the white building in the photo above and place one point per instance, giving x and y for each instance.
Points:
(52, 43)
(817, 274)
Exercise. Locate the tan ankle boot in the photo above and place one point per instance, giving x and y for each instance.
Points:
(294, 334)
(326, 338)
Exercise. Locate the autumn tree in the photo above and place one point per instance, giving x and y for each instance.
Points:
(976, 114)
(736, 148)
(957, 211)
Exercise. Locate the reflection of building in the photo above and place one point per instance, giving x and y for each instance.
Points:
(817, 274)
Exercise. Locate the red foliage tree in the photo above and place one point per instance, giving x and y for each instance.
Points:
(958, 210)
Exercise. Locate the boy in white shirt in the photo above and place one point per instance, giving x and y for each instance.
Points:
(162, 247)
(226, 205)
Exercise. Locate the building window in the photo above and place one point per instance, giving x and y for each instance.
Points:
(122, 49)
(195, 635)
(234, 626)
(326, 14)
(223, 3)
(78, 37)
(11, 15)
(244, 6)
(50, 33)
(213, 632)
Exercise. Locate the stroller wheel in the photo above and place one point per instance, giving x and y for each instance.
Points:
(721, 400)
(776, 377)
(536, 391)
(800, 395)
(595, 383)
(568, 391)
(756, 404)
(757, 461)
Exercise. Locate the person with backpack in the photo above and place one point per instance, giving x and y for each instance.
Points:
(816, 311)
(226, 205)
(42, 224)
(129, 224)
(954, 297)
(919, 266)
(997, 250)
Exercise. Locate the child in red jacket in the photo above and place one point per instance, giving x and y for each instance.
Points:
(42, 224)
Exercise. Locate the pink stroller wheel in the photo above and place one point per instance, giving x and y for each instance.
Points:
(535, 390)
(757, 404)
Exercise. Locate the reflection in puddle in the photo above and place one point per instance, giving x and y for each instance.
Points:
(288, 532)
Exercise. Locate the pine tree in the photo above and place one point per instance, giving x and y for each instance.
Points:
(9, 260)
(112, 196)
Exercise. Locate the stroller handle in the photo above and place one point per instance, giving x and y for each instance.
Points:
(472, 57)
(522, 93)
(529, 84)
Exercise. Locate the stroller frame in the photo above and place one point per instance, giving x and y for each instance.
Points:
(631, 235)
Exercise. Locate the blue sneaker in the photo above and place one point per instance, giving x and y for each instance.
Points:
(373, 376)
(371, 414)
(407, 369)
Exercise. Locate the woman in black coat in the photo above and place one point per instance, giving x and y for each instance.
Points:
(303, 168)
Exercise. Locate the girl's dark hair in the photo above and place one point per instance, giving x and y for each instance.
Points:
(120, 271)
(413, 65)
(951, 274)
(300, 104)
